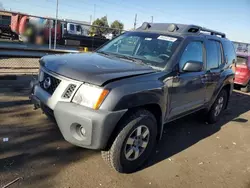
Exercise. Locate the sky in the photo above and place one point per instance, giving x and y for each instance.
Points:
(229, 16)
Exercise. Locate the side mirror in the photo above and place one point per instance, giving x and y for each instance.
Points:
(193, 66)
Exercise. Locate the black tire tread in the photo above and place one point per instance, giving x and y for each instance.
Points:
(108, 156)
(210, 118)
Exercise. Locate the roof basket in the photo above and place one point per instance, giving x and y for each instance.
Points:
(178, 28)
(144, 26)
(198, 29)
(212, 32)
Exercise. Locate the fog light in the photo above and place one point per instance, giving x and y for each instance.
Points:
(82, 131)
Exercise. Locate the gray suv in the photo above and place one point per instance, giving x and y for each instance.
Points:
(118, 98)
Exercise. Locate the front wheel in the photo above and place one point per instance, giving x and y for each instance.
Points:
(218, 106)
(134, 142)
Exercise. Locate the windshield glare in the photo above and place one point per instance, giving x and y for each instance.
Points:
(153, 49)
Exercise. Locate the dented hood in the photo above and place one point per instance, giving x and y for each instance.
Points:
(93, 68)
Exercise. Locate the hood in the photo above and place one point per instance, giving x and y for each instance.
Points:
(92, 68)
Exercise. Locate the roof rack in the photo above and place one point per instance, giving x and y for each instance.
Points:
(178, 28)
(223, 35)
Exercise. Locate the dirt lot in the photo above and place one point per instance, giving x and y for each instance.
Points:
(191, 154)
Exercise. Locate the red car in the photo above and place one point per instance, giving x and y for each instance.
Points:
(242, 72)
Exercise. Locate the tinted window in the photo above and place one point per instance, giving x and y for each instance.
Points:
(193, 52)
(71, 27)
(229, 51)
(213, 54)
(218, 45)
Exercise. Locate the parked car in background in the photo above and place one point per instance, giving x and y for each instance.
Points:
(119, 98)
(74, 29)
(242, 72)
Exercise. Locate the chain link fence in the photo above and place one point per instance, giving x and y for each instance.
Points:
(18, 65)
(50, 32)
(25, 32)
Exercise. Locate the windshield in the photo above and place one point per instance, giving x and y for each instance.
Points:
(150, 48)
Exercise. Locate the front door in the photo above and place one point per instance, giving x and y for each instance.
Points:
(188, 91)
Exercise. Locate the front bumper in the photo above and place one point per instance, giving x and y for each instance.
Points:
(98, 124)
(70, 117)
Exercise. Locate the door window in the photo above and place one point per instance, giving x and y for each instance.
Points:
(193, 52)
(214, 57)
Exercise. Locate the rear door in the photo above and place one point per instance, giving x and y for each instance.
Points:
(214, 67)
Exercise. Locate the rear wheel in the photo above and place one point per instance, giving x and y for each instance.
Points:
(218, 106)
(134, 142)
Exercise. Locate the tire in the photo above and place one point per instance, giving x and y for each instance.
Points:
(115, 156)
(245, 89)
(214, 113)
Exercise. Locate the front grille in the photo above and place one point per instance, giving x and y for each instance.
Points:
(53, 84)
(69, 91)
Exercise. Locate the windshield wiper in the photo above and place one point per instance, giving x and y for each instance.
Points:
(129, 58)
(104, 53)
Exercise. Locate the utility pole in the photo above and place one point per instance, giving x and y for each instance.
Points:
(50, 25)
(56, 24)
(90, 20)
(152, 19)
(135, 21)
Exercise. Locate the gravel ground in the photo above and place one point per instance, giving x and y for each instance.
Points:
(191, 153)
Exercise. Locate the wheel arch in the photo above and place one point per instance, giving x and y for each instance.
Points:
(153, 108)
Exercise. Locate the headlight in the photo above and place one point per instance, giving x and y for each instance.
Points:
(90, 96)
